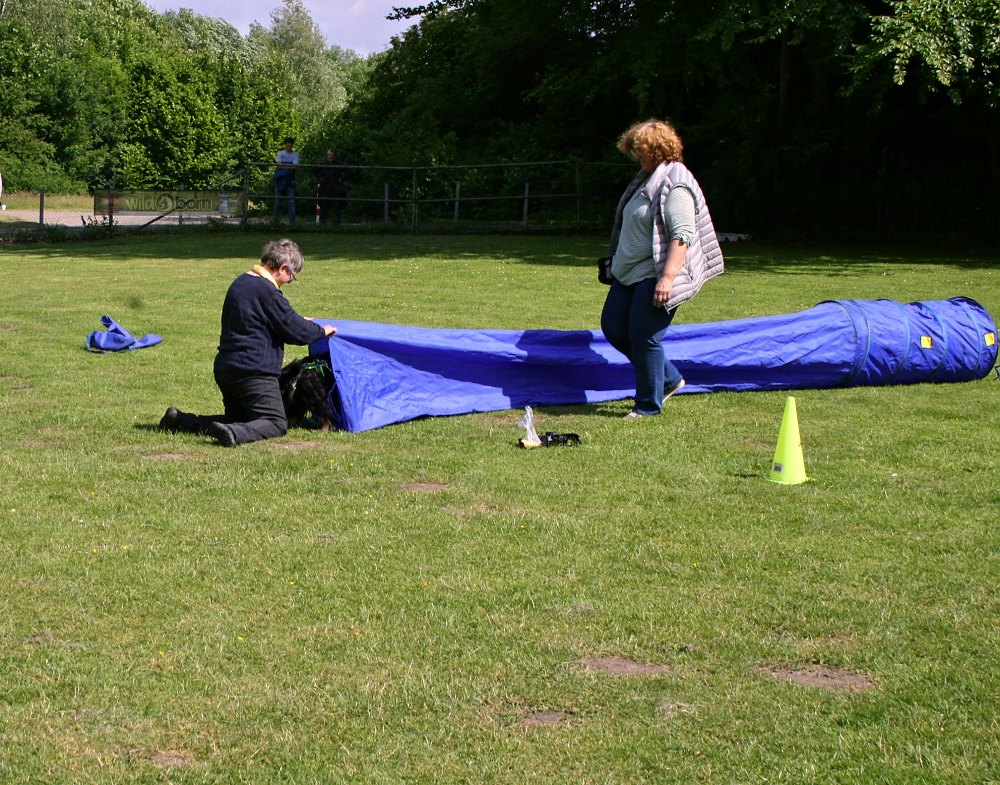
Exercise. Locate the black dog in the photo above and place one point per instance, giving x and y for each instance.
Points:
(305, 385)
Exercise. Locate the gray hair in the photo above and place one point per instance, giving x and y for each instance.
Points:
(279, 252)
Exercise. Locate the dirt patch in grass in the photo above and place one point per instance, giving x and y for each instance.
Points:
(40, 638)
(295, 444)
(576, 609)
(16, 384)
(546, 717)
(42, 443)
(426, 487)
(490, 509)
(172, 758)
(822, 677)
(623, 666)
(168, 456)
(671, 710)
(482, 508)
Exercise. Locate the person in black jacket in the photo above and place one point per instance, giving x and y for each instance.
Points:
(331, 193)
(257, 322)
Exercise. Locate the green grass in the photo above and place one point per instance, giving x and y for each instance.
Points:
(392, 606)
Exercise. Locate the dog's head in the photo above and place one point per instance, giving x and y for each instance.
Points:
(305, 385)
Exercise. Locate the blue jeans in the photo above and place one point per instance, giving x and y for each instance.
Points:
(635, 328)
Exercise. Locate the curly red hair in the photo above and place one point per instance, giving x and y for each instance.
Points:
(656, 140)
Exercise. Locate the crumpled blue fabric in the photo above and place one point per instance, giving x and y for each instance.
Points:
(118, 339)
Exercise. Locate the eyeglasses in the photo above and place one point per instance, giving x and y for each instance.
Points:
(291, 275)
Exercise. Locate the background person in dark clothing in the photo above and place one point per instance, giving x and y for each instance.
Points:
(330, 189)
(257, 322)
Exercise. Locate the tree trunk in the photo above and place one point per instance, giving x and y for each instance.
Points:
(784, 77)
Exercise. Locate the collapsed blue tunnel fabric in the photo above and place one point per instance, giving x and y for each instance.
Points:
(391, 373)
(117, 338)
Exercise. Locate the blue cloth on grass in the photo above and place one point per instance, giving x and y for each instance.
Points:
(117, 338)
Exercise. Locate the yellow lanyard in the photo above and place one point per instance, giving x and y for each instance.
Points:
(263, 272)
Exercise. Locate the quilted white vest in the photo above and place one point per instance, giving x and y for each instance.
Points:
(704, 256)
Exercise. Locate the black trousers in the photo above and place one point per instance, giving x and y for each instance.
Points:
(253, 409)
(329, 206)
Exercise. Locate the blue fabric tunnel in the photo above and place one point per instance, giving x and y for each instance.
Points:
(390, 373)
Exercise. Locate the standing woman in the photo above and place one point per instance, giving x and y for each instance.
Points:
(663, 248)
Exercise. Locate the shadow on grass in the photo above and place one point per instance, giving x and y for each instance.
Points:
(578, 251)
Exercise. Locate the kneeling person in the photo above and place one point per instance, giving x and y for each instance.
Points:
(257, 322)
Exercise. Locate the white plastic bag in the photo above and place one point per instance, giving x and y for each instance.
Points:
(530, 440)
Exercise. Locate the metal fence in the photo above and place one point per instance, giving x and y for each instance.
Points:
(553, 195)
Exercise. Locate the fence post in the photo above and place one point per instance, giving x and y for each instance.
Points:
(579, 196)
(413, 218)
(458, 196)
(245, 197)
(526, 189)
(385, 196)
(41, 208)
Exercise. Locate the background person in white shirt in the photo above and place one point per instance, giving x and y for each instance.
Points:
(287, 161)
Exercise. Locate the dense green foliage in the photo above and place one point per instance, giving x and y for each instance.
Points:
(846, 117)
(95, 93)
(810, 116)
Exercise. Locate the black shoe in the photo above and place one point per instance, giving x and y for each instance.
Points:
(223, 434)
(169, 420)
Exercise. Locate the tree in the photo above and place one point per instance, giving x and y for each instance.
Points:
(956, 41)
(86, 116)
(205, 35)
(951, 46)
(33, 36)
(311, 72)
(176, 136)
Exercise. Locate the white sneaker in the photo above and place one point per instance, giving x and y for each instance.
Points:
(674, 390)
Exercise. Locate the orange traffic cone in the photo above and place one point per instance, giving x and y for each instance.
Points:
(788, 466)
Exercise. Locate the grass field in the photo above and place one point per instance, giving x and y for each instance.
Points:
(426, 603)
